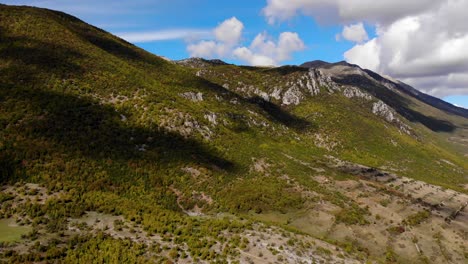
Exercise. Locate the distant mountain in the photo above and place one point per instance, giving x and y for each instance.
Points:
(434, 101)
(111, 154)
(394, 93)
(430, 100)
(315, 64)
(199, 62)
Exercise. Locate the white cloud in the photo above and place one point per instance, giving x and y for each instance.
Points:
(421, 42)
(288, 43)
(418, 51)
(263, 50)
(366, 54)
(229, 32)
(227, 36)
(347, 11)
(355, 33)
(149, 36)
(248, 56)
(203, 49)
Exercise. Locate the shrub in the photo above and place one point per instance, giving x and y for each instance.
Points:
(417, 218)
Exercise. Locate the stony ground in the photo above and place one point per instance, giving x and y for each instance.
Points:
(261, 244)
(407, 217)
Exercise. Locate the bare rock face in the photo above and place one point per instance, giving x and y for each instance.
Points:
(192, 62)
(250, 91)
(308, 84)
(262, 94)
(383, 110)
(353, 92)
(184, 124)
(292, 96)
(199, 62)
(194, 97)
(276, 93)
(212, 118)
(312, 83)
(325, 80)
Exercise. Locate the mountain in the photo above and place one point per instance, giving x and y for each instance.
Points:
(344, 70)
(433, 101)
(112, 154)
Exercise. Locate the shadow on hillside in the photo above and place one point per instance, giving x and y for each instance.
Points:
(397, 102)
(105, 41)
(430, 100)
(276, 113)
(268, 109)
(81, 126)
(115, 46)
(9, 167)
(31, 56)
(288, 69)
(281, 70)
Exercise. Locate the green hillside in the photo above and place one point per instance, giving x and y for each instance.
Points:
(113, 154)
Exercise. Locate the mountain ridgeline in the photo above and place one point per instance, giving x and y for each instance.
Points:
(111, 154)
(397, 85)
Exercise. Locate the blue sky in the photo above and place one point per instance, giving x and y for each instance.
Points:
(166, 16)
(177, 29)
(458, 100)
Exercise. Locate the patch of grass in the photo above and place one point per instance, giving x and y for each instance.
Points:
(324, 251)
(352, 216)
(385, 202)
(396, 230)
(417, 218)
(5, 197)
(390, 255)
(10, 232)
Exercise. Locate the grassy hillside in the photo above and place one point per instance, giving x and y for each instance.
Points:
(189, 161)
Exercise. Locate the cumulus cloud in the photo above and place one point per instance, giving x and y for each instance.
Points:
(355, 33)
(366, 54)
(421, 42)
(227, 35)
(347, 11)
(245, 54)
(263, 50)
(230, 31)
(204, 48)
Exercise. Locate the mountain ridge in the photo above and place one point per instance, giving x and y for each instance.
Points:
(109, 153)
(431, 100)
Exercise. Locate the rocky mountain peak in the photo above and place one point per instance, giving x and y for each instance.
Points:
(200, 62)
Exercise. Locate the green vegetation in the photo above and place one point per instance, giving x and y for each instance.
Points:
(352, 216)
(385, 202)
(396, 230)
(11, 232)
(103, 126)
(390, 255)
(417, 218)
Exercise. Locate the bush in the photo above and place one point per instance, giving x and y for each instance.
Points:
(417, 218)
(352, 216)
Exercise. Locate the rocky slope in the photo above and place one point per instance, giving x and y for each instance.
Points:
(112, 154)
(345, 73)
